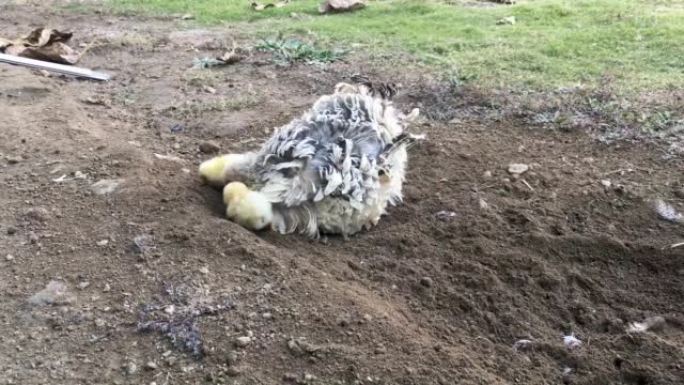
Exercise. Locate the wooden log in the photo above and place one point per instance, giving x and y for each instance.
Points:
(53, 67)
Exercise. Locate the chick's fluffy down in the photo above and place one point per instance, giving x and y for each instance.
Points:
(253, 211)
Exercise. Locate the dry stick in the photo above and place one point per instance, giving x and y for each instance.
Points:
(87, 48)
(631, 169)
(527, 184)
(675, 245)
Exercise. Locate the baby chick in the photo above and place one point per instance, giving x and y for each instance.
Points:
(248, 208)
(219, 170)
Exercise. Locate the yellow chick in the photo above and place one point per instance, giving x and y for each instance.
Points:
(248, 208)
(221, 169)
(213, 170)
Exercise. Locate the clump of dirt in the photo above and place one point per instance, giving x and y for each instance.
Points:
(571, 246)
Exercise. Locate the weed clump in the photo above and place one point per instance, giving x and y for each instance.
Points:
(289, 51)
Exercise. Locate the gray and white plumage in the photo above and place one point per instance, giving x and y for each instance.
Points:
(336, 168)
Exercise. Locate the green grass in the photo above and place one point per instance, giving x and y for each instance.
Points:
(639, 43)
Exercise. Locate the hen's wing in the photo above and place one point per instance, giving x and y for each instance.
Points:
(332, 150)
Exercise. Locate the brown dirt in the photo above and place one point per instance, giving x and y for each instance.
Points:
(417, 300)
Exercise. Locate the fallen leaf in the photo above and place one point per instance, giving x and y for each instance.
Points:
(4, 43)
(233, 56)
(44, 36)
(43, 44)
(56, 53)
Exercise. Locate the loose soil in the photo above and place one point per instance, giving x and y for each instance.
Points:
(421, 299)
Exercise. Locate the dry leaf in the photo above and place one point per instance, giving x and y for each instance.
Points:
(232, 57)
(56, 53)
(43, 44)
(45, 36)
(4, 43)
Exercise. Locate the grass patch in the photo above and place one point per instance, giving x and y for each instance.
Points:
(554, 43)
(288, 51)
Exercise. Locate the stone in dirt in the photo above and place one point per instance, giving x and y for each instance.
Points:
(209, 147)
(517, 168)
(55, 293)
(106, 186)
(243, 341)
(333, 6)
(13, 159)
(37, 214)
(651, 323)
(426, 282)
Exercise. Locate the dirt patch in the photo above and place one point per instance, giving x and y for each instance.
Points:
(570, 246)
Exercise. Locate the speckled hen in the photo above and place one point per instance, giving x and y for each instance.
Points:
(333, 170)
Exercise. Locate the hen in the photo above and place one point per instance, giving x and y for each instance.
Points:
(334, 170)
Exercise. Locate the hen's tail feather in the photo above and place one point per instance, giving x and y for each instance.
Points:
(287, 220)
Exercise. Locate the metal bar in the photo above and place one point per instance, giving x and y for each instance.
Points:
(54, 67)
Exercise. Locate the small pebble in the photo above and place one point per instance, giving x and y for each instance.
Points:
(151, 365)
(651, 323)
(13, 159)
(9, 257)
(103, 242)
(523, 344)
(679, 193)
(55, 293)
(11, 230)
(232, 358)
(243, 341)
(426, 281)
(83, 285)
(33, 237)
(105, 186)
(209, 147)
(571, 342)
(517, 168)
(131, 368)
